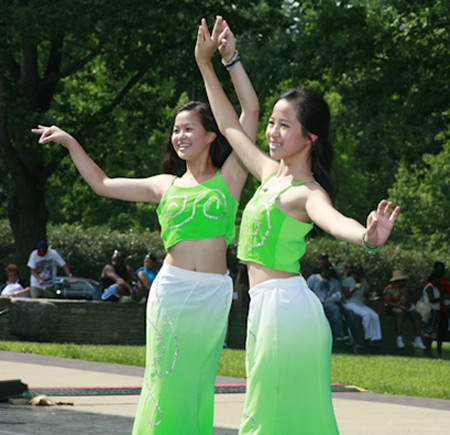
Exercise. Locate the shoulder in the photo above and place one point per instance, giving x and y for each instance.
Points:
(162, 178)
(306, 195)
(313, 278)
(160, 183)
(55, 255)
(107, 268)
(313, 193)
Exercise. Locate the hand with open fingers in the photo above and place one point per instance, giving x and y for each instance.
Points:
(51, 134)
(227, 42)
(380, 223)
(206, 42)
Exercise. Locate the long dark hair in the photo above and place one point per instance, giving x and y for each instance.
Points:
(220, 148)
(313, 114)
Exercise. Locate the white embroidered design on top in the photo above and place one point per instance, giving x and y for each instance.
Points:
(219, 199)
(257, 231)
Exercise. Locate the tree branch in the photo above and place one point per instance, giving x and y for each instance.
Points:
(115, 102)
(29, 78)
(74, 68)
(12, 66)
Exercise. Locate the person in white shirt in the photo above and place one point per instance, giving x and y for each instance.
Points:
(14, 288)
(43, 263)
(328, 290)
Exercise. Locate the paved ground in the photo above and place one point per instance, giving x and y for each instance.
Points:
(112, 404)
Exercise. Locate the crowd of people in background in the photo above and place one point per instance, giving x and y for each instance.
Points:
(118, 280)
(343, 296)
(347, 295)
(352, 293)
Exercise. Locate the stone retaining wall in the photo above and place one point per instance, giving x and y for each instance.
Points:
(88, 322)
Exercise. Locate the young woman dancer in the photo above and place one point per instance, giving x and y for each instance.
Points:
(289, 338)
(188, 306)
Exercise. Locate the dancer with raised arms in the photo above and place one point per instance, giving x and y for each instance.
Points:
(187, 310)
(289, 338)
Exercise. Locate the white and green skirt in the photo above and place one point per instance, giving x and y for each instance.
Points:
(187, 319)
(288, 362)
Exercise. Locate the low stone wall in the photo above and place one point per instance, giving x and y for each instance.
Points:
(88, 322)
(83, 322)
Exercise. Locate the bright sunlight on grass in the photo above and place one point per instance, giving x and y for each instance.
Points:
(412, 376)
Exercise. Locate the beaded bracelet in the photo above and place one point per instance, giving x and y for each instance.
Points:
(372, 250)
(229, 64)
(229, 68)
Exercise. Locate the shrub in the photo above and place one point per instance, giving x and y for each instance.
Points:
(87, 250)
(378, 267)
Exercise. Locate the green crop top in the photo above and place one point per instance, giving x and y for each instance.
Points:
(270, 237)
(197, 212)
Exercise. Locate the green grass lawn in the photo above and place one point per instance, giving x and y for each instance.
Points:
(413, 376)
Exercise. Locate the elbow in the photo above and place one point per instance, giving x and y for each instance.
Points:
(253, 111)
(100, 187)
(256, 108)
(99, 190)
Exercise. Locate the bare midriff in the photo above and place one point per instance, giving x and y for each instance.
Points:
(258, 273)
(203, 255)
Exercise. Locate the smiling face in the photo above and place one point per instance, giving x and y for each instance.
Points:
(284, 133)
(189, 138)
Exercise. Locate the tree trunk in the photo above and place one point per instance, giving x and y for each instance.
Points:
(28, 219)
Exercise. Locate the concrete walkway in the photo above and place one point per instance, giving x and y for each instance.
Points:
(357, 413)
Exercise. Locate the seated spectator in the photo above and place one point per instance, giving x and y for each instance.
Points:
(444, 312)
(348, 270)
(147, 273)
(432, 295)
(14, 288)
(117, 279)
(322, 261)
(355, 289)
(43, 263)
(396, 297)
(328, 290)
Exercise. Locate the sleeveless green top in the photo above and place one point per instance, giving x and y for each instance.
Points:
(270, 237)
(197, 212)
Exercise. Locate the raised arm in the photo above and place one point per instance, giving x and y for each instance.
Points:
(378, 226)
(129, 189)
(258, 163)
(243, 86)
